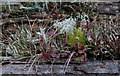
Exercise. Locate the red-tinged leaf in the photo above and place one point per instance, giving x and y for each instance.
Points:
(113, 41)
(78, 24)
(103, 26)
(45, 55)
(109, 44)
(87, 22)
(81, 47)
(37, 42)
(74, 40)
(81, 52)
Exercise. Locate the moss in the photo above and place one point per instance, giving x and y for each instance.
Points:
(77, 36)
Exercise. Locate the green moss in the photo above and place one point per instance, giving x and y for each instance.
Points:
(77, 36)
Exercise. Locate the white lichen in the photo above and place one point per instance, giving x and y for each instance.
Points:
(84, 21)
(66, 25)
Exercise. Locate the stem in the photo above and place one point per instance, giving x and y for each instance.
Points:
(68, 61)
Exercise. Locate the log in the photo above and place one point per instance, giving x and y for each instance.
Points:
(16, 20)
(33, 28)
(89, 67)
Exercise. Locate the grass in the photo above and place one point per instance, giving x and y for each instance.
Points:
(74, 37)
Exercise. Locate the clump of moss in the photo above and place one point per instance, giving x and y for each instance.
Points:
(78, 36)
